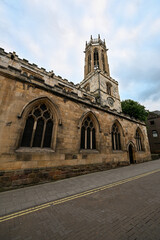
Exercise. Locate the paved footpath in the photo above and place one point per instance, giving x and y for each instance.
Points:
(118, 204)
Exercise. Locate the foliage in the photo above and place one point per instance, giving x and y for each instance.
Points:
(134, 109)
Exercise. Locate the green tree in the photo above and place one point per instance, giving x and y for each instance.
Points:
(134, 109)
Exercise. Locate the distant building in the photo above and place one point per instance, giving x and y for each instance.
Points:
(51, 128)
(153, 127)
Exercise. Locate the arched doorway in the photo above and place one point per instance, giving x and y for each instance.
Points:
(130, 151)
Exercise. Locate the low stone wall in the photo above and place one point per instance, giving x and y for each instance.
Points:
(27, 177)
(155, 156)
(20, 178)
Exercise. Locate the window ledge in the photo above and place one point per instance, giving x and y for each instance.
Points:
(117, 151)
(34, 150)
(141, 151)
(89, 151)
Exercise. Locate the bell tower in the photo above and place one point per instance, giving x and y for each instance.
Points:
(96, 56)
(97, 80)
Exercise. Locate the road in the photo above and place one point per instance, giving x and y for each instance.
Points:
(117, 204)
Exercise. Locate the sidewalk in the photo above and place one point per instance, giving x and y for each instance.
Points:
(20, 199)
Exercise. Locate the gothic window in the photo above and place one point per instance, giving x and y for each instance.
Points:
(116, 137)
(138, 141)
(96, 59)
(108, 86)
(88, 134)
(38, 128)
(103, 62)
(89, 63)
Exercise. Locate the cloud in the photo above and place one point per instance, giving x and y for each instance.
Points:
(155, 27)
(151, 105)
(52, 34)
(131, 8)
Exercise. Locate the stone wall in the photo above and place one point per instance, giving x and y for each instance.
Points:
(97, 82)
(16, 97)
(20, 178)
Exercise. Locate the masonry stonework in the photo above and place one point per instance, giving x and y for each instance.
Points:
(24, 86)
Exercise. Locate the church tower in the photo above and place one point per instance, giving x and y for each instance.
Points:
(96, 56)
(97, 79)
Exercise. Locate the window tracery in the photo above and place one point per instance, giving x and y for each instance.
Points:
(138, 141)
(88, 134)
(116, 137)
(38, 128)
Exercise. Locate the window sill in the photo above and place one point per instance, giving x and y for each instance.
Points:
(34, 150)
(141, 151)
(89, 151)
(117, 151)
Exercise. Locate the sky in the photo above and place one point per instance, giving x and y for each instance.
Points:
(52, 34)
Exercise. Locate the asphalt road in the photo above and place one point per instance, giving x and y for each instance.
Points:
(117, 204)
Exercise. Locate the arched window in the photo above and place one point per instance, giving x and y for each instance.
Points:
(96, 59)
(38, 127)
(138, 141)
(103, 62)
(116, 137)
(108, 87)
(88, 134)
(89, 63)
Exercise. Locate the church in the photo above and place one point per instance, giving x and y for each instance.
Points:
(51, 128)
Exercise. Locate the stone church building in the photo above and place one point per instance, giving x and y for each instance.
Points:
(52, 129)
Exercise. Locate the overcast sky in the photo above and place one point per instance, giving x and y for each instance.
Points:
(52, 34)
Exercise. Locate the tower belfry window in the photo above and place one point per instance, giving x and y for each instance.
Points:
(89, 63)
(103, 62)
(96, 59)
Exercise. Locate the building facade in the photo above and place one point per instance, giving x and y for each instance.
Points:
(153, 128)
(51, 127)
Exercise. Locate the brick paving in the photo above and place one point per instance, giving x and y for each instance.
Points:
(15, 200)
(129, 211)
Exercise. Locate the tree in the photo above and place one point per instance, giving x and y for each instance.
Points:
(134, 109)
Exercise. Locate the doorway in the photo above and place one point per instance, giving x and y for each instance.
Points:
(130, 150)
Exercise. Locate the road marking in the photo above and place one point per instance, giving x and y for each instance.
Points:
(72, 197)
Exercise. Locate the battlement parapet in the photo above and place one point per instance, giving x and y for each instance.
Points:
(21, 69)
(12, 60)
(96, 41)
